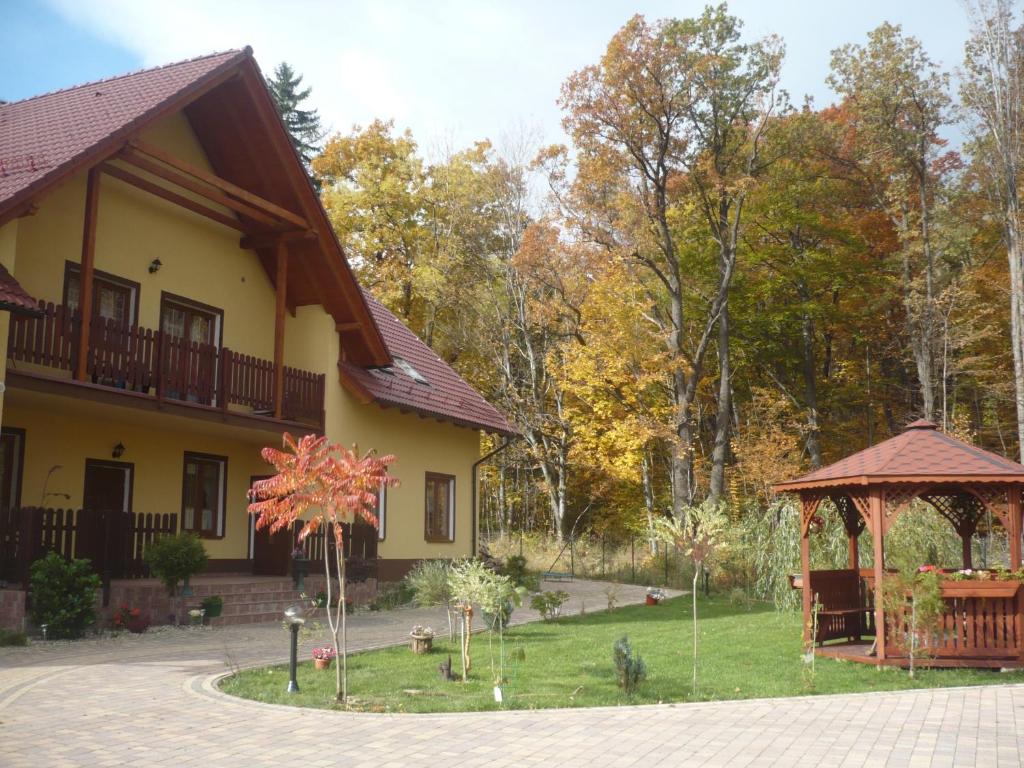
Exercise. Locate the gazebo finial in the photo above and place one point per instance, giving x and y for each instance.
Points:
(922, 424)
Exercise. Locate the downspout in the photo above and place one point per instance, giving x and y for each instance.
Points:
(476, 466)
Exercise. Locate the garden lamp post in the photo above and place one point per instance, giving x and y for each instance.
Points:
(294, 616)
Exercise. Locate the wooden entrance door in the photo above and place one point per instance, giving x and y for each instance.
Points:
(271, 553)
(108, 497)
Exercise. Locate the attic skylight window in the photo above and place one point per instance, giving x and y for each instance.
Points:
(411, 372)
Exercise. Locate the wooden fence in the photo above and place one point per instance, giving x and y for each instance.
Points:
(114, 542)
(151, 362)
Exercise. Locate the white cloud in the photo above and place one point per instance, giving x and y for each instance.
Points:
(459, 70)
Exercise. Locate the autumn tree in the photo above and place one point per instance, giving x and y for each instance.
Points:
(993, 94)
(671, 118)
(324, 486)
(898, 100)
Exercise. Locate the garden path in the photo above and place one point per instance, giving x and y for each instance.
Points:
(151, 700)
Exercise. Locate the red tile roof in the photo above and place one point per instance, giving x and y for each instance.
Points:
(445, 396)
(40, 136)
(922, 451)
(13, 297)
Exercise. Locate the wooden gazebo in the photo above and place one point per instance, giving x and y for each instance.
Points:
(983, 623)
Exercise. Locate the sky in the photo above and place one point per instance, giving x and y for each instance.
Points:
(452, 71)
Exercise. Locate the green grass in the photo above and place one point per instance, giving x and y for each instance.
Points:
(743, 654)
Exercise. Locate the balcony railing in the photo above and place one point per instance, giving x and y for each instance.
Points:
(142, 360)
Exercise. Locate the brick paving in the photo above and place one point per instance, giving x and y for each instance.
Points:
(151, 700)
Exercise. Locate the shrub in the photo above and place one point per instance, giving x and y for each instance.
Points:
(393, 594)
(515, 568)
(428, 581)
(630, 666)
(9, 639)
(63, 595)
(549, 604)
(175, 558)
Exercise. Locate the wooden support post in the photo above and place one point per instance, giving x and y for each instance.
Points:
(877, 506)
(92, 201)
(805, 573)
(853, 547)
(1016, 526)
(281, 292)
(965, 548)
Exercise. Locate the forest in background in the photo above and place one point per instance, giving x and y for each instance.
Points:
(714, 286)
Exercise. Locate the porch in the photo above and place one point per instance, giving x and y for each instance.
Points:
(155, 366)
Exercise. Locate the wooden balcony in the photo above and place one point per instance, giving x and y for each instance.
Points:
(151, 363)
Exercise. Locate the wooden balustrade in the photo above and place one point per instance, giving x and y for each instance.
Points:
(982, 620)
(167, 367)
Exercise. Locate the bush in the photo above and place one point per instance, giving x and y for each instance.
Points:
(515, 568)
(630, 666)
(175, 558)
(12, 639)
(549, 604)
(393, 594)
(63, 595)
(429, 582)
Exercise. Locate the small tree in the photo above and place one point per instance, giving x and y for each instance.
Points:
(699, 535)
(175, 558)
(429, 580)
(471, 582)
(334, 486)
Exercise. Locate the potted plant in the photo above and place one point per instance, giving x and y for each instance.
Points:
(322, 657)
(213, 606)
(132, 619)
(422, 639)
(654, 596)
(195, 617)
(321, 599)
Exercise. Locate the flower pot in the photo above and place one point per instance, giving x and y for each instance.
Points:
(213, 610)
(322, 663)
(138, 625)
(422, 643)
(651, 600)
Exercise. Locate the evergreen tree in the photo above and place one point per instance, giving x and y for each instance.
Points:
(303, 124)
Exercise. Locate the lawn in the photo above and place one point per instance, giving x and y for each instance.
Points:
(743, 654)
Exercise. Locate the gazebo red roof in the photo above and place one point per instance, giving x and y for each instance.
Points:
(922, 452)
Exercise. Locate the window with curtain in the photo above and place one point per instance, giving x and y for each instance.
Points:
(204, 494)
(440, 507)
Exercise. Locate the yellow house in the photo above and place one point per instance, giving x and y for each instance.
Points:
(192, 304)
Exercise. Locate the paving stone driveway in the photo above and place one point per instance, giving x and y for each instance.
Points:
(150, 700)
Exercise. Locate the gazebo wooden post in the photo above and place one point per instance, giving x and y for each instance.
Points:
(876, 504)
(1014, 513)
(805, 571)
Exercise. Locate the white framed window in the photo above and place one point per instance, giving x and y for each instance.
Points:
(204, 494)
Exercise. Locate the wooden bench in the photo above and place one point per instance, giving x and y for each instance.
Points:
(557, 576)
(842, 609)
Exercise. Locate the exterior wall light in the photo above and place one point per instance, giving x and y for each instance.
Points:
(154, 266)
(117, 451)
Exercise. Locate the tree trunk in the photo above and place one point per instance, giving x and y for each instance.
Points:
(723, 418)
(811, 392)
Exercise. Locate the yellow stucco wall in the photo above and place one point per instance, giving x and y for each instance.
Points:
(63, 433)
(202, 261)
(8, 251)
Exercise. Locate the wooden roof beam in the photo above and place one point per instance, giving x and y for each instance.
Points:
(223, 184)
(271, 239)
(172, 197)
(186, 182)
